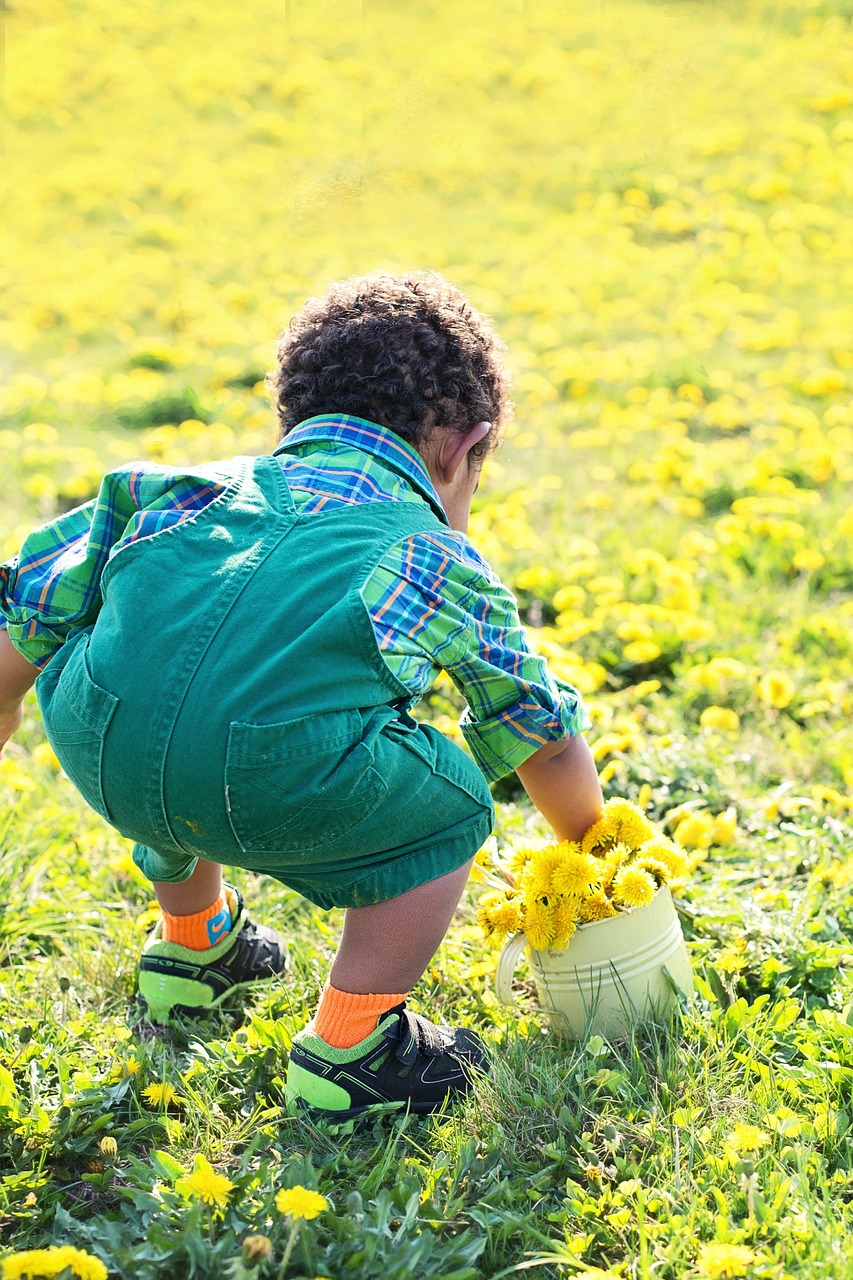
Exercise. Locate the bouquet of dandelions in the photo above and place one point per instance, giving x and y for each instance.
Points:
(620, 864)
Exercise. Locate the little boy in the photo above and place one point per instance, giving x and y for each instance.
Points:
(228, 655)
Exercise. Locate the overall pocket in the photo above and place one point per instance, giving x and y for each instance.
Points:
(300, 785)
(77, 713)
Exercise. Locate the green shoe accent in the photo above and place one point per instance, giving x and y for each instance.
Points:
(314, 1091)
(161, 993)
(308, 1039)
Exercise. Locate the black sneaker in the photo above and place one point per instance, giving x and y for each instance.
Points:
(178, 981)
(407, 1063)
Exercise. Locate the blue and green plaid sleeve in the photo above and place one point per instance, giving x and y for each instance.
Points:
(54, 584)
(436, 605)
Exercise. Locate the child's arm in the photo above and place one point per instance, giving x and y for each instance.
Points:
(562, 782)
(436, 594)
(16, 677)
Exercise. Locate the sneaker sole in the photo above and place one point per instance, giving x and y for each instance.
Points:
(163, 1015)
(300, 1109)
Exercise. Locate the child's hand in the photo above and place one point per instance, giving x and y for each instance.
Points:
(16, 677)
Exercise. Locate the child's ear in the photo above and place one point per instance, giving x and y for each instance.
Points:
(455, 446)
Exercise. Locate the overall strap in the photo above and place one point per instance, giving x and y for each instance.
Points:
(266, 474)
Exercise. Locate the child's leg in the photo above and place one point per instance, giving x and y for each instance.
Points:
(196, 912)
(189, 896)
(387, 946)
(205, 949)
(383, 952)
(362, 1050)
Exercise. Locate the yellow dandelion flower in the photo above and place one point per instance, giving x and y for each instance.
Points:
(596, 906)
(43, 1264)
(725, 826)
(806, 559)
(499, 914)
(657, 870)
(519, 860)
(540, 870)
(746, 1139)
(506, 915)
(720, 1261)
(484, 856)
(536, 885)
(45, 756)
(829, 796)
(521, 876)
(599, 838)
(608, 871)
(119, 1070)
(161, 1095)
(618, 856)
(15, 778)
(628, 824)
(300, 1202)
(538, 926)
(836, 100)
(565, 923)
(484, 860)
(776, 689)
(732, 959)
(633, 887)
(527, 898)
(205, 1184)
(108, 1147)
(695, 831)
(484, 912)
(720, 720)
(664, 851)
(575, 873)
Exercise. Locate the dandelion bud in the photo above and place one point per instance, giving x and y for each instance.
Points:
(256, 1248)
(108, 1147)
(64, 984)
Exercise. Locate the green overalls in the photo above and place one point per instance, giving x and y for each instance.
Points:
(231, 702)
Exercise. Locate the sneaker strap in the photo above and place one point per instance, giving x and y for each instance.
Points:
(416, 1035)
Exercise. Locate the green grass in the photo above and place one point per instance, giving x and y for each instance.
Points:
(615, 1155)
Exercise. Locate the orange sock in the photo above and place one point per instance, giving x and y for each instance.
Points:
(345, 1017)
(201, 931)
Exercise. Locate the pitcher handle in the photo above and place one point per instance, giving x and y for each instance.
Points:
(507, 960)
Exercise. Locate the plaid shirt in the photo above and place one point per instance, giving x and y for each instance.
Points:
(434, 603)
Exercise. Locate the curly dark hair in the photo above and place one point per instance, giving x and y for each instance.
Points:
(408, 352)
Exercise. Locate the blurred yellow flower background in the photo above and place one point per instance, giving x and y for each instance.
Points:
(655, 216)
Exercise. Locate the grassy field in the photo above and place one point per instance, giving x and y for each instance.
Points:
(653, 201)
